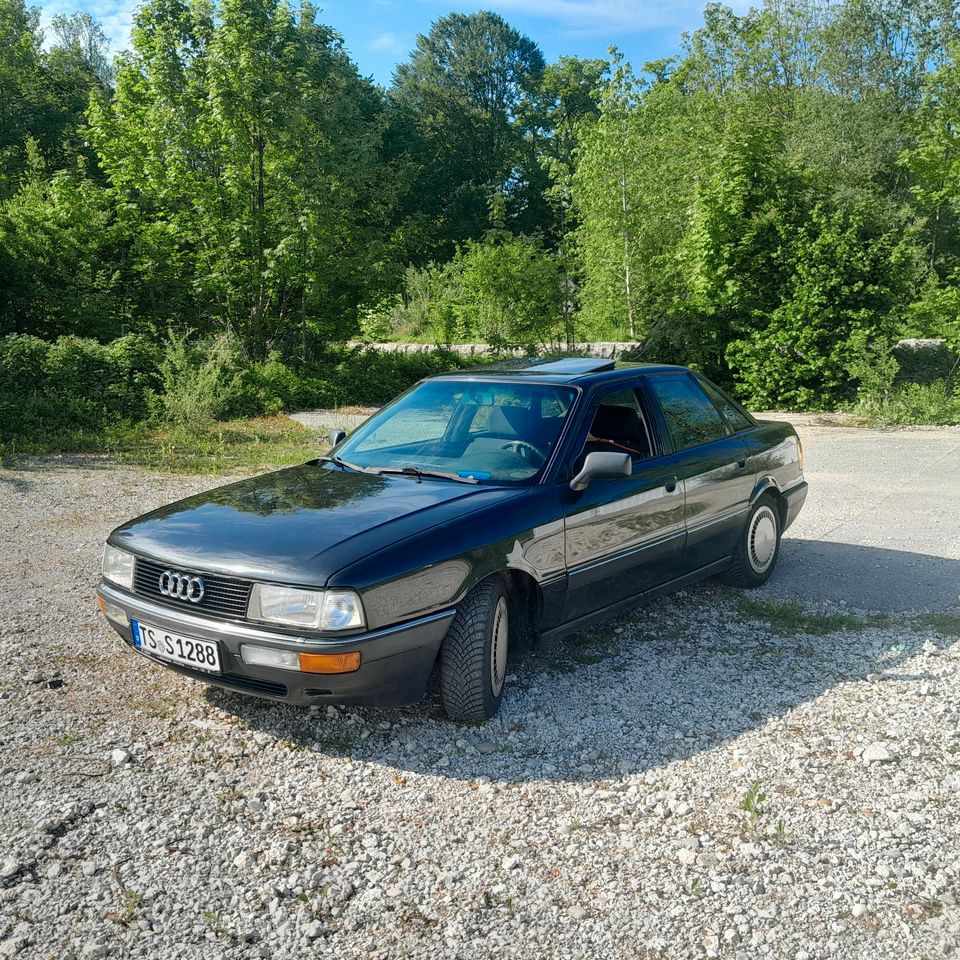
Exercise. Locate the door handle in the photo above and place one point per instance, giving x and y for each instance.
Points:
(742, 463)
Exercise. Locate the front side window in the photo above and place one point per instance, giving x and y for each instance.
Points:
(487, 431)
(617, 425)
(691, 417)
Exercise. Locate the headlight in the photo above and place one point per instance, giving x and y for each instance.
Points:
(311, 609)
(118, 566)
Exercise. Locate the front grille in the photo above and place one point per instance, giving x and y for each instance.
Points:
(223, 597)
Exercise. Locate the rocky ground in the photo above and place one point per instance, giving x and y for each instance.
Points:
(712, 777)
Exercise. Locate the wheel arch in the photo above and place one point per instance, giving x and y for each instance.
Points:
(768, 486)
(528, 593)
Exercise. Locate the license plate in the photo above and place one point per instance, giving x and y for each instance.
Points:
(191, 652)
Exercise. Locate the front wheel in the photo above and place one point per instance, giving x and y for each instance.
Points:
(758, 548)
(473, 661)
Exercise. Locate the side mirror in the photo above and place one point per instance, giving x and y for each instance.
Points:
(334, 437)
(599, 465)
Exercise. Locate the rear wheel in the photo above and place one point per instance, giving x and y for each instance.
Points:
(473, 661)
(758, 548)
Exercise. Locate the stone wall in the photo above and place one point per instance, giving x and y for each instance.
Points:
(923, 361)
(609, 348)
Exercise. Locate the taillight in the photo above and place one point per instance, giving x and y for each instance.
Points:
(800, 453)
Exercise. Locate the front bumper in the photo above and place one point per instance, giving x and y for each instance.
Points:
(395, 661)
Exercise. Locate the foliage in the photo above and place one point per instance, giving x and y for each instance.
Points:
(843, 290)
(197, 381)
(72, 387)
(875, 368)
(504, 291)
(778, 197)
(512, 293)
(460, 96)
(913, 404)
(74, 384)
(638, 164)
(65, 248)
(44, 92)
(230, 129)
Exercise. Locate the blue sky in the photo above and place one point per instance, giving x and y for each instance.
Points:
(380, 33)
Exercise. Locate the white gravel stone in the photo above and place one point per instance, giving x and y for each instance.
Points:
(710, 786)
(876, 753)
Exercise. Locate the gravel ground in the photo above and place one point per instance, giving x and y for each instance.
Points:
(706, 778)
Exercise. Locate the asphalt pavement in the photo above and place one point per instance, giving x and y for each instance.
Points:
(881, 526)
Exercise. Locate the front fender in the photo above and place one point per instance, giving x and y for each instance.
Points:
(437, 567)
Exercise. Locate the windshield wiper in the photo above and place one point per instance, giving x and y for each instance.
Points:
(417, 473)
(345, 464)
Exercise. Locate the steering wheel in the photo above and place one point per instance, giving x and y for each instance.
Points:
(523, 449)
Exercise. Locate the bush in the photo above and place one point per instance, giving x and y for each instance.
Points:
(341, 377)
(198, 381)
(74, 384)
(916, 404)
(876, 368)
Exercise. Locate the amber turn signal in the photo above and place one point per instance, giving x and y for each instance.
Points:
(103, 609)
(330, 662)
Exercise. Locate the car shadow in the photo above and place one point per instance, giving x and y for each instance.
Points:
(680, 676)
(865, 577)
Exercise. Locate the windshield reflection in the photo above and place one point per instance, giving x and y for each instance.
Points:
(493, 432)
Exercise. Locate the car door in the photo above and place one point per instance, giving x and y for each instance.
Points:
(712, 462)
(625, 535)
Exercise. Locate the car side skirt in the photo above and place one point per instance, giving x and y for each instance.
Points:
(629, 603)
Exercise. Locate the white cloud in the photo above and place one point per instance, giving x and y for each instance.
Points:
(386, 43)
(115, 16)
(597, 17)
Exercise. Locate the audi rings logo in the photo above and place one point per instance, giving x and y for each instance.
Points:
(181, 585)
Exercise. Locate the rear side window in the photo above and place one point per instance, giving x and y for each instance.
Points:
(737, 419)
(691, 417)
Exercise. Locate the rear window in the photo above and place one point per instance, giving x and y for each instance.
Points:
(732, 413)
(691, 417)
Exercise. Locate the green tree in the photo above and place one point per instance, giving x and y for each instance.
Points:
(736, 255)
(43, 94)
(638, 166)
(460, 98)
(64, 255)
(933, 162)
(847, 290)
(247, 139)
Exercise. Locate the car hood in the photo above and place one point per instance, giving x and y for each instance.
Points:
(298, 525)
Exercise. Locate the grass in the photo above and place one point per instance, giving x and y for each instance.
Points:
(946, 624)
(912, 404)
(789, 617)
(228, 447)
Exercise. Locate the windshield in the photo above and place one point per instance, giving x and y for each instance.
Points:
(500, 432)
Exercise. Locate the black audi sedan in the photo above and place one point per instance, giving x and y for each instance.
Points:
(476, 512)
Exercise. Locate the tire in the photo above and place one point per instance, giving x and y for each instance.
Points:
(758, 548)
(473, 661)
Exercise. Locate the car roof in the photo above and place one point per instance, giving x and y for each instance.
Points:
(582, 371)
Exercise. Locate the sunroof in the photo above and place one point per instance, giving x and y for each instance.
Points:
(574, 365)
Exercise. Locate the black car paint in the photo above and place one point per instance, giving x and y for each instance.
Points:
(414, 548)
